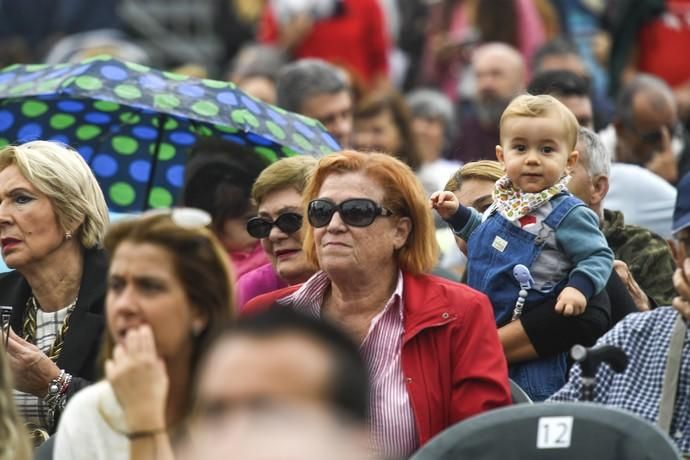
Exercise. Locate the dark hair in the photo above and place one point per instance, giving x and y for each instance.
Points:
(199, 262)
(556, 47)
(348, 386)
(306, 78)
(559, 83)
(650, 84)
(496, 22)
(389, 99)
(219, 178)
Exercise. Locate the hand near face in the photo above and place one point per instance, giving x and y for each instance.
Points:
(681, 282)
(445, 203)
(139, 380)
(636, 292)
(571, 302)
(31, 368)
(664, 162)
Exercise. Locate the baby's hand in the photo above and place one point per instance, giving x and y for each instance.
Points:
(571, 302)
(445, 203)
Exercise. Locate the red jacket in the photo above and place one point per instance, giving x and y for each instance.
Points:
(452, 358)
(355, 40)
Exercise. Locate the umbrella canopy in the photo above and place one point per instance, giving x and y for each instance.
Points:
(135, 125)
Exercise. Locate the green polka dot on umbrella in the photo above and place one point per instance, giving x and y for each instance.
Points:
(135, 125)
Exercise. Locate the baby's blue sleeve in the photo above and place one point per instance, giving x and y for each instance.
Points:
(464, 222)
(581, 240)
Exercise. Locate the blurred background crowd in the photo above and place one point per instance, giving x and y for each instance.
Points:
(422, 81)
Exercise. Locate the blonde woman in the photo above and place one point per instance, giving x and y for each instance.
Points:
(52, 221)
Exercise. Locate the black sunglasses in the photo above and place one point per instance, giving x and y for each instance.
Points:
(288, 223)
(358, 212)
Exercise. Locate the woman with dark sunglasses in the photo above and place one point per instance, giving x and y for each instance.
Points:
(277, 193)
(431, 346)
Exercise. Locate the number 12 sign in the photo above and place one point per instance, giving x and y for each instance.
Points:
(554, 432)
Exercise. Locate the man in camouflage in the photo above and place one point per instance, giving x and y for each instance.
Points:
(643, 259)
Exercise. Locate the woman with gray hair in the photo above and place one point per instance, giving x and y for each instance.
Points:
(52, 221)
(433, 125)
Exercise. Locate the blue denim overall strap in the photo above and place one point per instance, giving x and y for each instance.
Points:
(497, 245)
(494, 248)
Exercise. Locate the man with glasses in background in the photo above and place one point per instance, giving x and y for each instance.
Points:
(646, 141)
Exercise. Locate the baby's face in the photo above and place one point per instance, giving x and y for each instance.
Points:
(534, 152)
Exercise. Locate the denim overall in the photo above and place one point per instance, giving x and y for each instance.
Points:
(494, 248)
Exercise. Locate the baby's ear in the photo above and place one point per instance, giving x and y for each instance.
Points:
(499, 155)
(572, 161)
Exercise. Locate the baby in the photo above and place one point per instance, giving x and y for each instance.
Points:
(536, 244)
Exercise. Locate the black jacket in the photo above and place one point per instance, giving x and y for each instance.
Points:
(83, 339)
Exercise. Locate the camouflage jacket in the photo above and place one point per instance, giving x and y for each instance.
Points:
(646, 253)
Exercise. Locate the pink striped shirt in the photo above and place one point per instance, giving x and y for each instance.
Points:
(393, 430)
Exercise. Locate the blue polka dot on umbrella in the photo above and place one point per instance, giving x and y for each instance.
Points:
(7, 76)
(182, 138)
(30, 132)
(227, 98)
(140, 170)
(235, 139)
(175, 175)
(144, 132)
(98, 118)
(6, 120)
(190, 90)
(112, 72)
(304, 129)
(258, 140)
(104, 165)
(275, 116)
(251, 105)
(332, 143)
(151, 81)
(71, 106)
(86, 152)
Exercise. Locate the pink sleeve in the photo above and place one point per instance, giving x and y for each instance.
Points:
(530, 30)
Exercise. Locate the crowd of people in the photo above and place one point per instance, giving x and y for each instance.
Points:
(513, 179)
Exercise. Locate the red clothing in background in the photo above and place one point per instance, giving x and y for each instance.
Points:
(452, 359)
(664, 44)
(355, 40)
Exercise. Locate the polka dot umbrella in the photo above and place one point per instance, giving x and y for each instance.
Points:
(135, 125)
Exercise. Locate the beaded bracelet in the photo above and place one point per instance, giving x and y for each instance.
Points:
(56, 399)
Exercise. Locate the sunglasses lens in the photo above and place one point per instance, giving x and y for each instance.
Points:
(258, 227)
(320, 213)
(289, 222)
(358, 213)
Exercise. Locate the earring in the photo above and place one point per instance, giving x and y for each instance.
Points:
(196, 330)
(68, 235)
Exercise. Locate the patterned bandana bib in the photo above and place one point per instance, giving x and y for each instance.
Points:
(513, 204)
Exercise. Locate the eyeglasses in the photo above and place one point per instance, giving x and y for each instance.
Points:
(358, 212)
(288, 223)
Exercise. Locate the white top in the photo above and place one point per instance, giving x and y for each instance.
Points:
(436, 174)
(644, 198)
(90, 427)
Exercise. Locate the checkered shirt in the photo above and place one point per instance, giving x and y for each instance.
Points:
(48, 326)
(645, 339)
